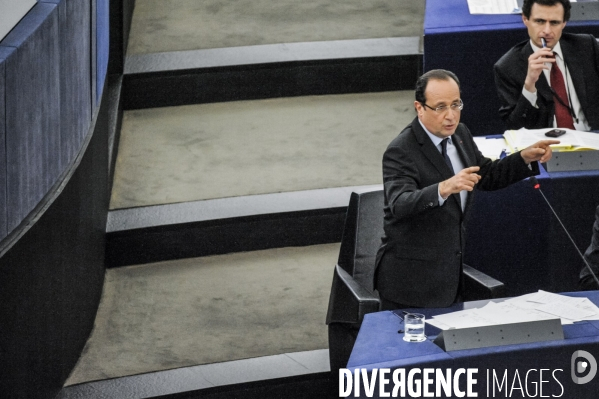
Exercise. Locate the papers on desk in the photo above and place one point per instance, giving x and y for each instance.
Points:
(493, 7)
(491, 147)
(573, 140)
(540, 305)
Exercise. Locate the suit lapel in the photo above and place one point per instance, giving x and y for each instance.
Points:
(434, 156)
(464, 156)
(577, 78)
(430, 151)
(459, 145)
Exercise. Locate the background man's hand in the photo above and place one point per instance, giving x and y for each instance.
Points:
(539, 151)
(536, 63)
(466, 179)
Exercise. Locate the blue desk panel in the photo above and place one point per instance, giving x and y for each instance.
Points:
(469, 45)
(379, 345)
(513, 236)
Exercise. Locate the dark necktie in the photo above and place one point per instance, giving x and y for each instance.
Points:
(444, 153)
(563, 117)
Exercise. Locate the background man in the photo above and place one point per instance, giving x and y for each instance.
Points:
(551, 80)
(429, 170)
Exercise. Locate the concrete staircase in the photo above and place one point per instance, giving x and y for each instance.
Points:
(361, 75)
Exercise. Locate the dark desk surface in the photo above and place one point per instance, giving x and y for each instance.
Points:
(379, 345)
(469, 45)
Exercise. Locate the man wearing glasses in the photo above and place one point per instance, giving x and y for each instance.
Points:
(429, 170)
(552, 79)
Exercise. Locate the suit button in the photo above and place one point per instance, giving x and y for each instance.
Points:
(458, 253)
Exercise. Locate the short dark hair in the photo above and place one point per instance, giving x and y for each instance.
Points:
(435, 74)
(527, 6)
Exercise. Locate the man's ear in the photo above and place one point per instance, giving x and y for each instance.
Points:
(418, 107)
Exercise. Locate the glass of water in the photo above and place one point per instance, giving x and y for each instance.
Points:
(414, 327)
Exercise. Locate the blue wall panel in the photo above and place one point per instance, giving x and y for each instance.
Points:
(102, 43)
(75, 88)
(4, 53)
(32, 111)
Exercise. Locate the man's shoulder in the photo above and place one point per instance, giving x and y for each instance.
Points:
(512, 55)
(576, 36)
(405, 136)
(577, 39)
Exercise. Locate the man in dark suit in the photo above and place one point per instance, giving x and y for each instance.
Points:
(429, 170)
(552, 79)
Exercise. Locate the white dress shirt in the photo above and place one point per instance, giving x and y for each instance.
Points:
(582, 123)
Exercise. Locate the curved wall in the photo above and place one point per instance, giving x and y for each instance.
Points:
(47, 102)
(55, 108)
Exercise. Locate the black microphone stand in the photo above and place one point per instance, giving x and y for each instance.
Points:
(537, 186)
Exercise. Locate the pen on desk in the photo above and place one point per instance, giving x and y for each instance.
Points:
(401, 318)
(402, 312)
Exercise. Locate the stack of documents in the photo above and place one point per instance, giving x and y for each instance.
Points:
(572, 140)
(540, 305)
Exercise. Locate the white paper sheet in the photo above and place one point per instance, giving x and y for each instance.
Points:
(491, 148)
(540, 305)
(493, 7)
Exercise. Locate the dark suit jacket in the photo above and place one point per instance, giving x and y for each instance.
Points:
(581, 54)
(420, 259)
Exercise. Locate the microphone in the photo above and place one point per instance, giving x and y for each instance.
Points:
(537, 186)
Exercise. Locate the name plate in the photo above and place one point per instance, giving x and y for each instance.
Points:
(573, 160)
(502, 334)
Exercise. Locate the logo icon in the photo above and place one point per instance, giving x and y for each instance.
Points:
(579, 367)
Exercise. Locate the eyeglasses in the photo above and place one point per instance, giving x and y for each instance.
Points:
(442, 108)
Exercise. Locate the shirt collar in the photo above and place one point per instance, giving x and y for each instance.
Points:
(436, 140)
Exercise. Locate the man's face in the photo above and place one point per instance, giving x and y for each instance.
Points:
(545, 22)
(440, 93)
